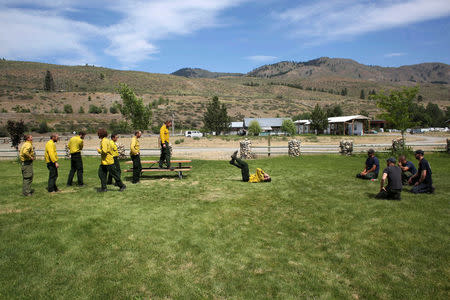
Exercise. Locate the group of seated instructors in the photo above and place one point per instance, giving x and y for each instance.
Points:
(399, 174)
(109, 168)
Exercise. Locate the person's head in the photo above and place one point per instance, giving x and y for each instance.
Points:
(168, 123)
(391, 161)
(138, 134)
(102, 133)
(371, 152)
(114, 137)
(54, 137)
(419, 154)
(28, 138)
(267, 178)
(82, 134)
(402, 159)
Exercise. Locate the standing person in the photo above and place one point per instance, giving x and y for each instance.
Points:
(408, 168)
(165, 149)
(260, 175)
(115, 154)
(372, 166)
(26, 157)
(393, 174)
(422, 181)
(107, 163)
(51, 158)
(136, 157)
(76, 162)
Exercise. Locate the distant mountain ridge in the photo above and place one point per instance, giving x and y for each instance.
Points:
(201, 73)
(438, 73)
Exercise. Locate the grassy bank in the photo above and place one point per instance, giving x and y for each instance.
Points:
(314, 231)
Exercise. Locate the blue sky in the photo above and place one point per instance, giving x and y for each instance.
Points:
(162, 36)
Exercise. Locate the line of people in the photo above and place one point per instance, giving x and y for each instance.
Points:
(109, 168)
(396, 174)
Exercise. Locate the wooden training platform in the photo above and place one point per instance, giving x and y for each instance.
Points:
(179, 169)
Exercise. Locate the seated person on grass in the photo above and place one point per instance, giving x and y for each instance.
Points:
(422, 181)
(260, 175)
(393, 174)
(372, 166)
(408, 168)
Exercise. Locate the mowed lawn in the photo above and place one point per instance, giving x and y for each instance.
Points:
(315, 231)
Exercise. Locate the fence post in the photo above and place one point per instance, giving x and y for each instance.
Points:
(346, 147)
(246, 149)
(294, 148)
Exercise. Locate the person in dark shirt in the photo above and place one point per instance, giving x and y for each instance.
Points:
(422, 181)
(408, 168)
(372, 167)
(393, 174)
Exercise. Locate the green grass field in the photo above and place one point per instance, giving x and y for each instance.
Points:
(315, 231)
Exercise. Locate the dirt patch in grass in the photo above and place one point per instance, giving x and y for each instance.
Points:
(12, 211)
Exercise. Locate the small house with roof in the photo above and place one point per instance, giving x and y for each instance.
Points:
(268, 125)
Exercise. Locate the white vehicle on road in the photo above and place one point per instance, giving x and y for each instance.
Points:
(193, 133)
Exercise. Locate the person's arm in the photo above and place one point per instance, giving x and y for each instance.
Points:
(374, 167)
(81, 144)
(404, 168)
(52, 153)
(383, 180)
(422, 177)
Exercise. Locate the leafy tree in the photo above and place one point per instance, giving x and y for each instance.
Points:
(319, 120)
(436, 114)
(81, 110)
(43, 127)
(133, 108)
(68, 109)
(216, 117)
(254, 128)
(93, 109)
(362, 95)
(419, 98)
(398, 107)
(302, 116)
(334, 111)
(364, 113)
(16, 130)
(288, 126)
(49, 84)
(114, 109)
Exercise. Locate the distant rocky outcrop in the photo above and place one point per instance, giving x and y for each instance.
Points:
(201, 73)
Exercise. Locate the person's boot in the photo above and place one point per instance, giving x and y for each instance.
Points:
(234, 155)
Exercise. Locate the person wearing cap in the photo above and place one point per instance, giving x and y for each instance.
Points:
(393, 174)
(27, 156)
(372, 166)
(165, 148)
(422, 180)
(408, 168)
(51, 158)
(107, 162)
(136, 157)
(115, 154)
(259, 176)
(76, 162)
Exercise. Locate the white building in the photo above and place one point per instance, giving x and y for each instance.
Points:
(345, 125)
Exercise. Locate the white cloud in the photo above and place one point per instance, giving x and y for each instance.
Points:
(395, 54)
(329, 20)
(261, 58)
(26, 34)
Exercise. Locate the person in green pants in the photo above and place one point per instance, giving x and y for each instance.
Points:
(107, 162)
(115, 154)
(165, 148)
(27, 156)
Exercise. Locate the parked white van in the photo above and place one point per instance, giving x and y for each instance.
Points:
(193, 133)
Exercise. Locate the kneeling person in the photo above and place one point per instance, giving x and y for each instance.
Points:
(372, 167)
(393, 174)
(260, 175)
(408, 168)
(422, 180)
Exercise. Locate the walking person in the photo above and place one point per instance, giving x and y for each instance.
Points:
(259, 176)
(165, 148)
(107, 162)
(115, 154)
(27, 156)
(136, 157)
(393, 174)
(76, 162)
(51, 158)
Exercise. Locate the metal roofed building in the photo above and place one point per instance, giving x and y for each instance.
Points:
(345, 125)
(268, 125)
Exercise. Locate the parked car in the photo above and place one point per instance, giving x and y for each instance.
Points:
(193, 133)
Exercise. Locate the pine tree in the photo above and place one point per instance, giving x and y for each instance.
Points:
(49, 84)
(216, 118)
(319, 120)
(362, 95)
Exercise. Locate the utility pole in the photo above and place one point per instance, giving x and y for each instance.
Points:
(173, 123)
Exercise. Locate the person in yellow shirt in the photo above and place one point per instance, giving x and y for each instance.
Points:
(136, 157)
(51, 158)
(27, 156)
(107, 162)
(115, 154)
(260, 175)
(165, 149)
(76, 162)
